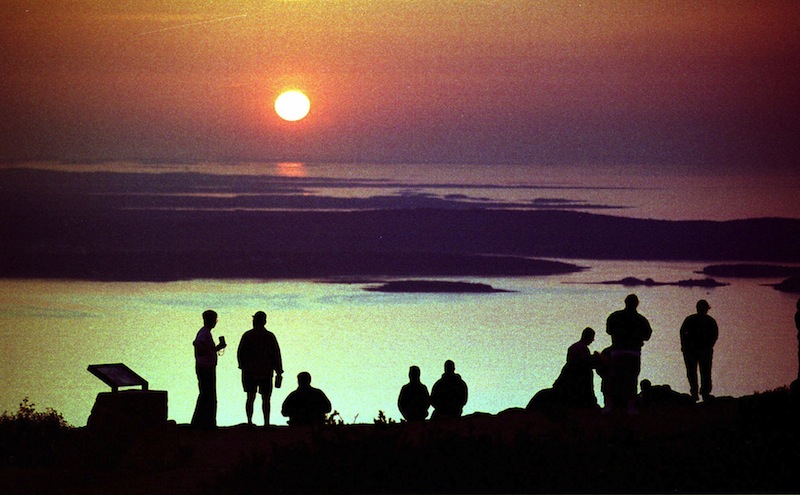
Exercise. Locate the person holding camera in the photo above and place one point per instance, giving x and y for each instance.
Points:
(259, 355)
(205, 357)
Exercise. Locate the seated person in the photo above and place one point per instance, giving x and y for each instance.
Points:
(306, 405)
(414, 399)
(661, 395)
(449, 394)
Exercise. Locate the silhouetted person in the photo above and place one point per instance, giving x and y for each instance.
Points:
(205, 357)
(306, 405)
(414, 399)
(574, 387)
(797, 325)
(699, 333)
(259, 356)
(602, 367)
(662, 395)
(628, 330)
(449, 394)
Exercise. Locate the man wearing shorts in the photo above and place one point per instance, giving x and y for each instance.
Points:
(259, 355)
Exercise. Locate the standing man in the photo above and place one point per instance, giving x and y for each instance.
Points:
(205, 360)
(449, 394)
(259, 355)
(628, 330)
(699, 333)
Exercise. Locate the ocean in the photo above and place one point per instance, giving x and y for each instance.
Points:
(358, 344)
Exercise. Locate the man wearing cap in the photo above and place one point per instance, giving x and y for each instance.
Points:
(699, 333)
(259, 355)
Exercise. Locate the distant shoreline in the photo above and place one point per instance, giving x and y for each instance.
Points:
(272, 266)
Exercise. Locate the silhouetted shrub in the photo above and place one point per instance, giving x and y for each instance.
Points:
(31, 437)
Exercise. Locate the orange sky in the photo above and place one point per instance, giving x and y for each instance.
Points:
(697, 83)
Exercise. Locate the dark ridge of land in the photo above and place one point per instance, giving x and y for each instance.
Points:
(649, 282)
(742, 445)
(157, 267)
(433, 286)
(82, 239)
(750, 270)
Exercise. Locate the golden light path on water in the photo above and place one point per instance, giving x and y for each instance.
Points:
(358, 345)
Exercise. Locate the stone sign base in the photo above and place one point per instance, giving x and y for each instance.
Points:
(129, 410)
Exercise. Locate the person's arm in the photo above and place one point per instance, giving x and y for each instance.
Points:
(241, 352)
(326, 403)
(684, 332)
(287, 407)
(401, 400)
(714, 332)
(648, 330)
(278, 358)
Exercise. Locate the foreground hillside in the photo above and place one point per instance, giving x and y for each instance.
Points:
(749, 444)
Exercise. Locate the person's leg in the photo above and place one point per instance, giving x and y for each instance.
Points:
(205, 413)
(212, 406)
(266, 394)
(198, 406)
(633, 368)
(691, 374)
(705, 374)
(248, 405)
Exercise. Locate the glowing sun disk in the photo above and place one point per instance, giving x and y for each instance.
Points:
(292, 105)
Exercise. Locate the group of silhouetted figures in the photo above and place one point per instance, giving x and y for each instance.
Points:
(618, 366)
(259, 358)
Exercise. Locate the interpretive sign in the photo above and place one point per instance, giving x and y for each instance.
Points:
(117, 375)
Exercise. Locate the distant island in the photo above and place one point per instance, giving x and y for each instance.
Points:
(434, 286)
(759, 270)
(750, 270)
(791, 284)
(649, 282)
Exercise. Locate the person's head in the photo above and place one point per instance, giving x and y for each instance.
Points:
(449, 367)
(703, 306)
(304, 379)
(631, 302)
(587, 336)
(259, 319)
(645, 385)
(413, 373)
(210, 318)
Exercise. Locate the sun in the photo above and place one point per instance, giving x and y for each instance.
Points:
(292, 105)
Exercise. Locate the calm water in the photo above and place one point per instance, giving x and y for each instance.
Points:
(358, 345)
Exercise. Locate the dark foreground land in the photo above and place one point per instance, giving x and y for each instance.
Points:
(743, 445)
